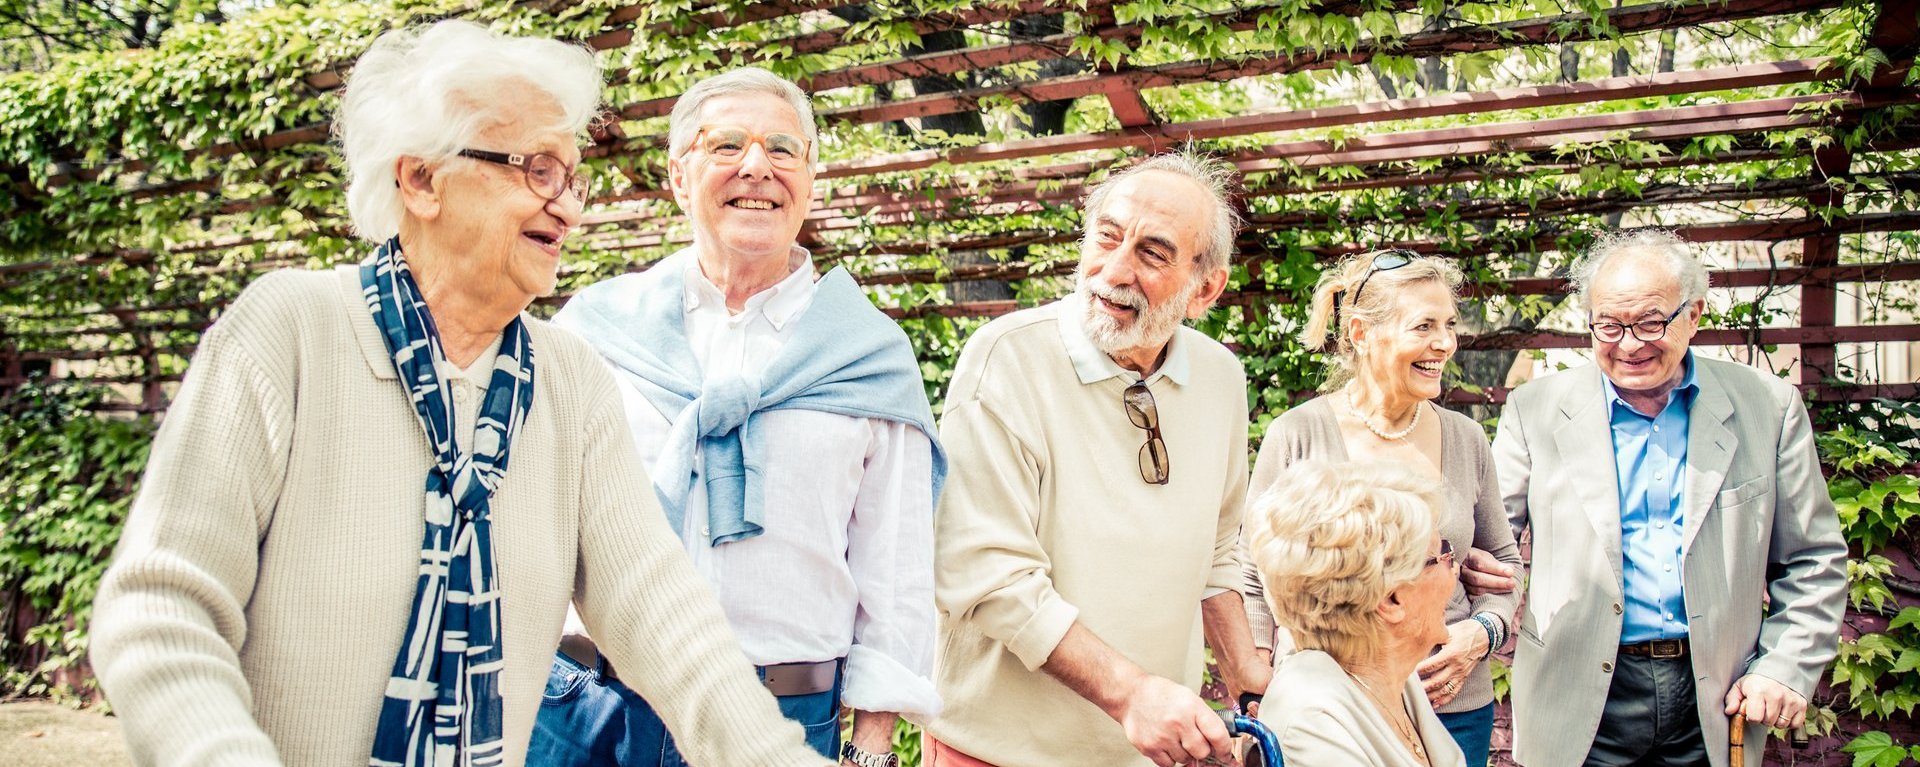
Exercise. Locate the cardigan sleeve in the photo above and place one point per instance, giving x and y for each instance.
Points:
(641, 598)
(1289, 439)
(1274, 457)
(171, 614)
(1491, 533)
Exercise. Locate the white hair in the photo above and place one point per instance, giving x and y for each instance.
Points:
(1685, 267)
(1333, 539)
(1215, 176)
(685, 119)
(426, 91)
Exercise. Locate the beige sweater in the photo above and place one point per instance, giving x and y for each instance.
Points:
(267, 572)
(1046, 521)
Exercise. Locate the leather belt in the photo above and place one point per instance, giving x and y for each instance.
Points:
(781, 679)
(785, 679)
(1658, 649)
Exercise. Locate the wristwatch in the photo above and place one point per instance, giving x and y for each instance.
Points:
(852, 753)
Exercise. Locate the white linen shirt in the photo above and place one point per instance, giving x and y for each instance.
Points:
(844, 567)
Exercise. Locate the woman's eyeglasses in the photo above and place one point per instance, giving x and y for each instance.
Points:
(546, 175)
(727, 145)
(1154, 467)
(1445, 557)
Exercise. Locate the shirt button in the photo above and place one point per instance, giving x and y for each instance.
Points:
(705, 532)
(1659, 476)
(1656, 428)
(1606, 667)
(1669, 568)
(1617, 609)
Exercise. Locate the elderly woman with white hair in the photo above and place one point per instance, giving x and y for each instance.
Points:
(1387, 321)
(380, 486)
(1352, 555)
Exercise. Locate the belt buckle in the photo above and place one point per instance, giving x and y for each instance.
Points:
(1666, 649)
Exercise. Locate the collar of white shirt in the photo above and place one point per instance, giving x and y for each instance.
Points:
(779, 304)
(1094, 366)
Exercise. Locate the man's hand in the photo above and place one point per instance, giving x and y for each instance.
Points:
(1768, 702)
(1443, 672)
(1483, 574)
(1170, 725)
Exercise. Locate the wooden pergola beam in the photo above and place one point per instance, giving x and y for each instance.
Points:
(1464, 39)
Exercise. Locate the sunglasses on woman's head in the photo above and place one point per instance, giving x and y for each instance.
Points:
(1384, 261)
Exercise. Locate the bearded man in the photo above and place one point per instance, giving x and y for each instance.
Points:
(1088, 532)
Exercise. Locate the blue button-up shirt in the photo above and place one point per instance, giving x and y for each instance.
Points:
(1650, 461)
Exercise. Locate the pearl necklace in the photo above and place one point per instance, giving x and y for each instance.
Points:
(1347, 393)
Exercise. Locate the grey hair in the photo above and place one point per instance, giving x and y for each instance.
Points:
(685, 119)
(1686, 268)
(1215, 176)
(426, 91)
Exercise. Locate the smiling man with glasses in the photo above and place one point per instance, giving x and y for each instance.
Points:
(1705, 574)
(1100, 464)
(786, 430)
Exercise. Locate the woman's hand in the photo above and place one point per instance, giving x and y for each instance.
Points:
(1443, 672)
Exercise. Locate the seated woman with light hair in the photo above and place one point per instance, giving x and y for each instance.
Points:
(1356, 568)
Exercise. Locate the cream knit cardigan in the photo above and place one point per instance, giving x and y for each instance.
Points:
(267, 571)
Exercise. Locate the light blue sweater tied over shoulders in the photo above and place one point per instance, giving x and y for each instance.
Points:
(844, 357)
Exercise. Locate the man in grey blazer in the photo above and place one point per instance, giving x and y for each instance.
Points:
(1687, 563)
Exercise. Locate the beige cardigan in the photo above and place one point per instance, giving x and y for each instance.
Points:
(1324, 719)
(266, 575)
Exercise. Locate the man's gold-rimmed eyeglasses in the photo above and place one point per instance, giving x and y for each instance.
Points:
(727, 145)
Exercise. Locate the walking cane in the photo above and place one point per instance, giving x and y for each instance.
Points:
(1736, 741)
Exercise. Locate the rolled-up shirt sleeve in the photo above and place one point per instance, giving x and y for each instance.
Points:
(993, 573)
(890, 554)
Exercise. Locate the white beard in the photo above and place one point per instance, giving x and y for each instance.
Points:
(1152, 326)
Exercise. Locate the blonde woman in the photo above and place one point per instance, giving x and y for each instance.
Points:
(1386, 320)
(1357, 564)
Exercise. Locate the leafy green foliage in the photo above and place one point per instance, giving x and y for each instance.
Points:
(119, 233)
(68, 482)
(1870, 454)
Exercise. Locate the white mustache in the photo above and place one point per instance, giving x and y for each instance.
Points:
(1132, 298)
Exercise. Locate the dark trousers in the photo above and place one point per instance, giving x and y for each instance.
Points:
(1651, 719)
(587, 720)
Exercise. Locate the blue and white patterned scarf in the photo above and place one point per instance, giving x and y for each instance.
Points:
(442, 707)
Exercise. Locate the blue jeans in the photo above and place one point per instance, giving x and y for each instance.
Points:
(586, 720)
(1473, 730)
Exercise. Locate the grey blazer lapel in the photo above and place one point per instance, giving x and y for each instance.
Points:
(1585, 439)
(1710, 449)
